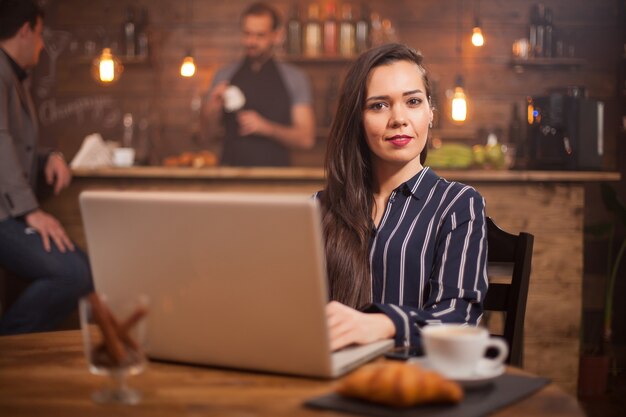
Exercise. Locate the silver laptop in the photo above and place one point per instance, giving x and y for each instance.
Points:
(234, 280)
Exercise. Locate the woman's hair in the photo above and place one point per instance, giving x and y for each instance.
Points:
(347, 200)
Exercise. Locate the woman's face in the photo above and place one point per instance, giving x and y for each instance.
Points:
(396, 114)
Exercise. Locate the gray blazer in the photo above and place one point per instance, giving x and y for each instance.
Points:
(18, 145)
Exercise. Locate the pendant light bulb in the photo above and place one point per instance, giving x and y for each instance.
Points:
(477, 32)
(188, 67)
(477, 36)
(106, 68)
(459, 102)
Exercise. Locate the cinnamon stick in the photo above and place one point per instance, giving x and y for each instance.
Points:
(123, 330)
(105, 321)
(137, 315)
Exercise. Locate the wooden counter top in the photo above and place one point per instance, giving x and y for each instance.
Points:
(317, 174)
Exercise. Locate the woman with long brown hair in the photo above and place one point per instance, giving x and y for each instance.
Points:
(404, 247)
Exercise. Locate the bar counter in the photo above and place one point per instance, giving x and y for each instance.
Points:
(548, 204)
(317, 174)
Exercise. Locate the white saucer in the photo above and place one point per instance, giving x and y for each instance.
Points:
(483, 375)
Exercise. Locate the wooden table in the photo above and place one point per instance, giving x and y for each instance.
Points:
(45, 374)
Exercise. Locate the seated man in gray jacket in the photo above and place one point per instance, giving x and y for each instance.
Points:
(33, 244)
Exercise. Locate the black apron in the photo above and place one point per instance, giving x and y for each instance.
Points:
(265, 93)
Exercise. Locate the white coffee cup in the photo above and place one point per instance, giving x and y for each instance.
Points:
(459, 351)
(234, 99)
(123, 157)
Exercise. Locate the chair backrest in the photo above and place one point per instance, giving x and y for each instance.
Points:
(509, 255)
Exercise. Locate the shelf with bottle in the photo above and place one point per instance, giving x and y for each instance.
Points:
(546, 46)
(133, 48)
(325, 34)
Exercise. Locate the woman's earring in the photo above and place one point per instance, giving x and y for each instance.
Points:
(430, 125)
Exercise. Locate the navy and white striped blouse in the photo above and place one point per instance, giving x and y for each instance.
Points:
(428, 256)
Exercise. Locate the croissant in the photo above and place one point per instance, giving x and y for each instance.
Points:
(399, 385)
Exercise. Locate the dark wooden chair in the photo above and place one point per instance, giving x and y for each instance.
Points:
(509, 255)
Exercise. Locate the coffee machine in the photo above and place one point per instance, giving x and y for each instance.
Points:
(565, 132)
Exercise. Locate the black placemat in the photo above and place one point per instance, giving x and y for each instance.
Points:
(504, 390)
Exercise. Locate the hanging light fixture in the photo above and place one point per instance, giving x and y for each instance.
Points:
(459, 98)
(459, 101)
(477, 33)
(106, 68)
(188, 66)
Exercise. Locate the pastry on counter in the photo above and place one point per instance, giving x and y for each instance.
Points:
(192, 159)
(399, 385)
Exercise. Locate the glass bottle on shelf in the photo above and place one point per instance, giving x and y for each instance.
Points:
(142, 35)
(143, 146)
(541, 30)
(548, 40)
(130, 33)
(532, 30)
(129, 128)
(347, 31)
(362, 32)
(389, 32)
(294, 32)
(313, 32)
(330, 30)
(376, 30)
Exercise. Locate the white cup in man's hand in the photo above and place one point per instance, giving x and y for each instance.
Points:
(233, 99)
(459, 351)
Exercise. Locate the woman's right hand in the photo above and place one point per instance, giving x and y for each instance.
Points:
(348, 326)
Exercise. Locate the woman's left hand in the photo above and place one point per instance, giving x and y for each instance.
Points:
(349, 326)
